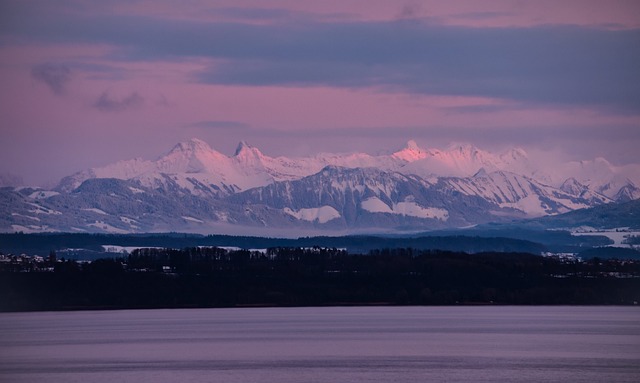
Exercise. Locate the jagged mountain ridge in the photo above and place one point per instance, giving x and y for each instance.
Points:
(195, 188)
(370, 197)
(510, 190)
(194, 164)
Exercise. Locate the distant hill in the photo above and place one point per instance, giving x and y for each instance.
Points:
(608, 216)
(90, 246)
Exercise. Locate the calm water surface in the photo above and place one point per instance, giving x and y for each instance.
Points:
(346, 344)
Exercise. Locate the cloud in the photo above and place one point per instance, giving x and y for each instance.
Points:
(562, 66)
(485, 15)
(107, 103)
(409, 11)
(99, 71)
(549, 65)
(556, 65)
(259, 14)
(55, 76)
(219, 124)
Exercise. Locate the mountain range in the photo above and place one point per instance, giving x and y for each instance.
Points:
(194, 188)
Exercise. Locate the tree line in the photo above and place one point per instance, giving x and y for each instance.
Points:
(283, 276)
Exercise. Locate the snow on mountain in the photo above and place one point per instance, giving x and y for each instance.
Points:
(460, 160)
(192, 166)
(195, 167)
(619, 188)
(604, 182)
(375, 205)
(628, 192)
(412, 152)
(250, 162)
(511, 190)
(196, 188)
(337, 192)
(464, 160)
(412, 209)
(366, 198)
(198, 169)
(322, 214)
(599, 176)
(574, 188)
(193, 156)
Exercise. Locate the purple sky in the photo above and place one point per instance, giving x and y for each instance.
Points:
(88, 83)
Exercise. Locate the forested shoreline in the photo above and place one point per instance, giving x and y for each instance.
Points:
(317, 276)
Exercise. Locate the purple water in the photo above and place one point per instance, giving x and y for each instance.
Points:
(344, 344)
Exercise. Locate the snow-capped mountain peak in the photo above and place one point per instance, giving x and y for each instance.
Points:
(573, 187)
(193, 145)
(459, 160)
(514, 156)
(628, 192)
(412, 152)
(249, 155)
(243, 147)
(192, 156)
(411, 188)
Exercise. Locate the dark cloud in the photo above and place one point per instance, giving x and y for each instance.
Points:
(94, 71)
(549, 65)
(107, 103)
(475, 109)
(219, 124)
(258, 14)
(486, 15)
(409, 11)
(55, 76)
(552, 65)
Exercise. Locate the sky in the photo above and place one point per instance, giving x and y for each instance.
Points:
(87, 83)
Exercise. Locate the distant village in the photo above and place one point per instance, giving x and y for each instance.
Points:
(24, 263)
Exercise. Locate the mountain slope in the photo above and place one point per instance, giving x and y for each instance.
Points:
(196, 167)
(609, 216)
(196, 188)
(510, 190)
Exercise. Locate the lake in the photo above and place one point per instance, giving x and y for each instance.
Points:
(331, 344)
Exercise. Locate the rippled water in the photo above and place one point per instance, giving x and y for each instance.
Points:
(345, 344)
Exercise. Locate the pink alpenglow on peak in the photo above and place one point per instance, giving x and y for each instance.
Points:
(249, 167)
(458, 186)
(412, 152)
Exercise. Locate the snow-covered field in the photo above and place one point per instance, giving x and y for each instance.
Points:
(322, 214)
(616, 235)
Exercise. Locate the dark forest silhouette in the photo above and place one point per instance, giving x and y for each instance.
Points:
(315, 276)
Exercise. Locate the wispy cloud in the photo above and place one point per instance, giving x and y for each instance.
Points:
(409, 11)
(486, 15)
(219, 124)
(55, 76)
(107, 103)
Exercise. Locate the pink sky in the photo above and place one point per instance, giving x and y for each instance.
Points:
(87, 83)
